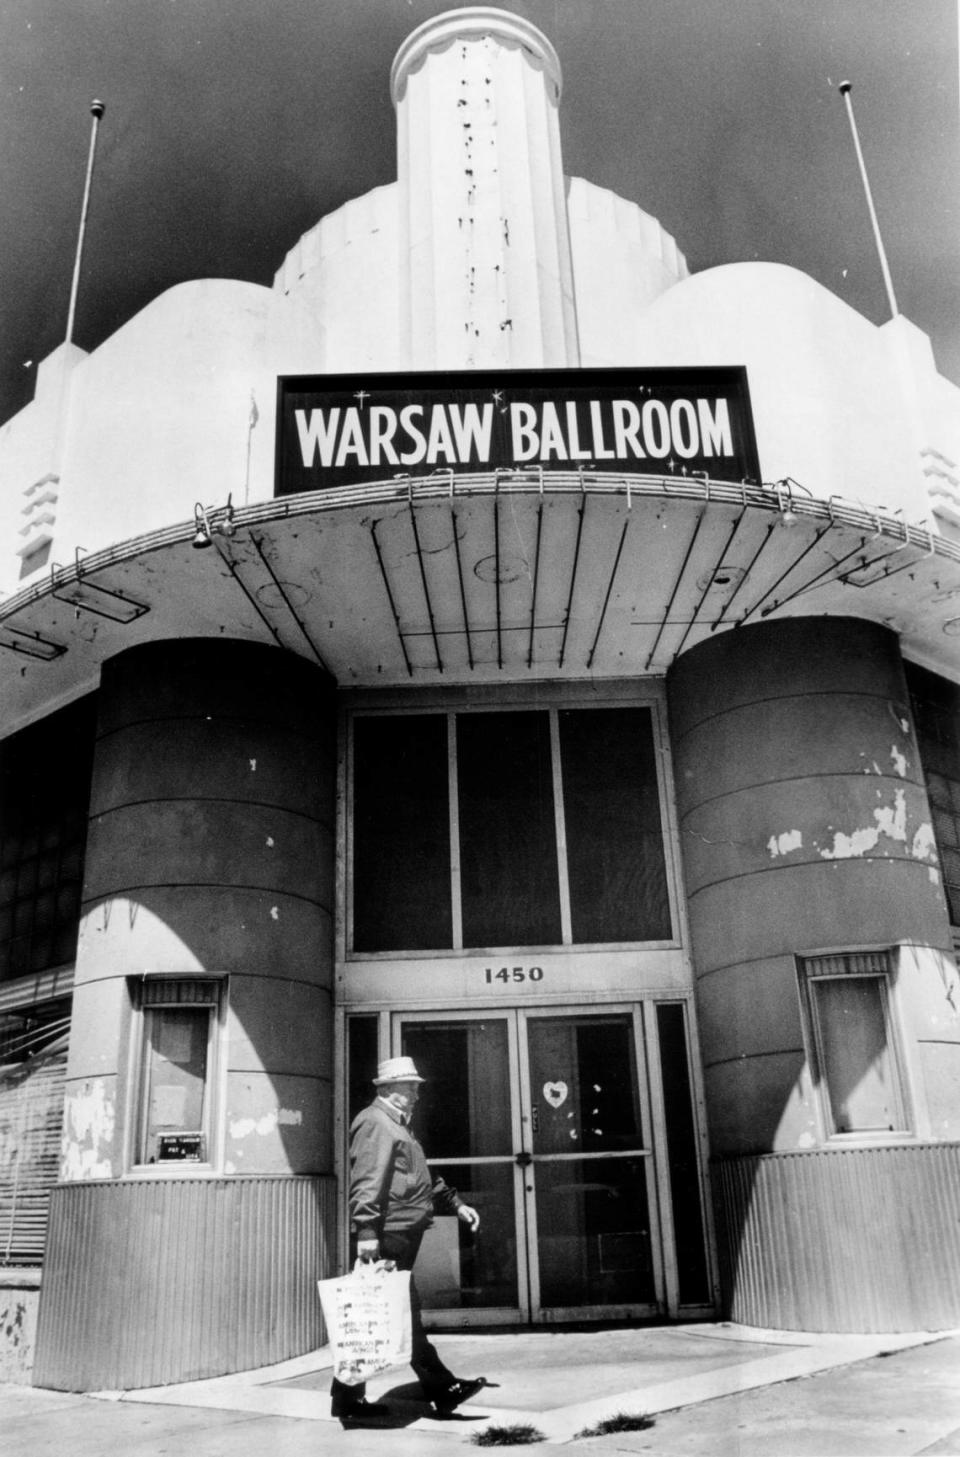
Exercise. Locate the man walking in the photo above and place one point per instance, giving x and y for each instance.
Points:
(393, 1198)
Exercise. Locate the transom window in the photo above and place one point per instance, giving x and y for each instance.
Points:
(531, 827)
(853, 1051)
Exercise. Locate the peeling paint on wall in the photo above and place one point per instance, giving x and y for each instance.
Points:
(891, 820)
(783, 844)
(18, 1319)
(899, 761)
(243, 1127)
(88, 1128)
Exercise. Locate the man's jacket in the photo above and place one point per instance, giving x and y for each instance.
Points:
(391, 1187)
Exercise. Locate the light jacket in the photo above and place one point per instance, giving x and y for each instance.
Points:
(391, 1187)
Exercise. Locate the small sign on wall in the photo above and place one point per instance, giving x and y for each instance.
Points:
(180, 1148)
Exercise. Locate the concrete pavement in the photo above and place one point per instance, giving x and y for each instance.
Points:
(716, 1389)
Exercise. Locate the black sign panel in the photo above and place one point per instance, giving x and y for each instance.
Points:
(180, 1147)
(336, 430)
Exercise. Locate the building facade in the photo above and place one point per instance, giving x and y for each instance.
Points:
(497, 645)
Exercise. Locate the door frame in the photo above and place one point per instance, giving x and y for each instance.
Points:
(488, 1315)
(545, 1315)
(656, 1167)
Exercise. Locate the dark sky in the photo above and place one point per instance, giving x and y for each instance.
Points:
(232, 126)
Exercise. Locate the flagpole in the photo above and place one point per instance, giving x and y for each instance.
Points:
(845, 88)
(97, 109)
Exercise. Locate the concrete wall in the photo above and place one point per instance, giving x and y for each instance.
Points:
(839, 405)
(804, 827)
(210, 849)
(622, 260)
(19, 1301)
(159, 414)
(336, 297)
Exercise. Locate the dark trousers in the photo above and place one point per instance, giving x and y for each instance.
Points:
(432, 1373)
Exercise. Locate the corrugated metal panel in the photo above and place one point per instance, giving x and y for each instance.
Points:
(864, 1239)
(159, 1280)
(31, 1123)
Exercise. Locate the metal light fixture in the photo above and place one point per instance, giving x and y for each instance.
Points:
(202, 536)
(204, 526)
(788, 517)
(226, 527)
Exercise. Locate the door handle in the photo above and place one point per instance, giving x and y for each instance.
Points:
(524, 1159)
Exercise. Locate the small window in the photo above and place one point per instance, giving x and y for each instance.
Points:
(45, 775)
(853, 1050)
(180, 1024)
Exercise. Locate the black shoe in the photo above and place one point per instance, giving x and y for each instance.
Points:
(360, 1413)
(448, 1401)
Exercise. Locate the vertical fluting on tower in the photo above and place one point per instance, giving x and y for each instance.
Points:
(486, 275)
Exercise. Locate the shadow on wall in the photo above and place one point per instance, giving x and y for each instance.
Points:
(206, 934)
(202, 993)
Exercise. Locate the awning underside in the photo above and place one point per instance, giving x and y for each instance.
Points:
(488, 577)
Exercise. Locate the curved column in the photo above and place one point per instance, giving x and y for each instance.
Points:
(209, 854)
(805, 829)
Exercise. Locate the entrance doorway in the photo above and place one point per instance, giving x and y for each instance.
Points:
(571, 1132)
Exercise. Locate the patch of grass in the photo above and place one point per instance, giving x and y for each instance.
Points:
(622, 1422)
(516, 1436)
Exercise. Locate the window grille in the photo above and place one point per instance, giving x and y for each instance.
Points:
(848, 963)
(170, 992)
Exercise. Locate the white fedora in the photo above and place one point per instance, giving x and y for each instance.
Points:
(397, 1070)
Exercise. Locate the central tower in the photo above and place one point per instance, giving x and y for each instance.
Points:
(488, 280)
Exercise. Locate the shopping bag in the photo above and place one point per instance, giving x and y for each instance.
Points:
(367, 1315)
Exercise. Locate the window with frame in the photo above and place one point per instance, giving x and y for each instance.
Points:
(853, 1049)
(524, 827)
(45, 774)
(181, 1020)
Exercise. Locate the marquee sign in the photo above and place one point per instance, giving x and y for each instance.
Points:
(346, 429)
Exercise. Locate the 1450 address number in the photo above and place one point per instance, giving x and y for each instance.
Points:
(513, 974)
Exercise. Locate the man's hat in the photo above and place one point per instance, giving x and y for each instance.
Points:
(397, 1070)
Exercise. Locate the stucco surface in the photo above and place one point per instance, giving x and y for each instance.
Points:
(804, 827)
(826, 387)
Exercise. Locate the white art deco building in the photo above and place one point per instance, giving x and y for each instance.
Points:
(494, 644)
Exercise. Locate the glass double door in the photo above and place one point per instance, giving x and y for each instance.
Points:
(542, 1120)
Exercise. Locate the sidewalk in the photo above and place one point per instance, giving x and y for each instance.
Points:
(718, 1389)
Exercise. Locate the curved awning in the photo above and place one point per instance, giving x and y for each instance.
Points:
(487, 577)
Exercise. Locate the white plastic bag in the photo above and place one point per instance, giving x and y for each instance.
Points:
(367, 1315)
